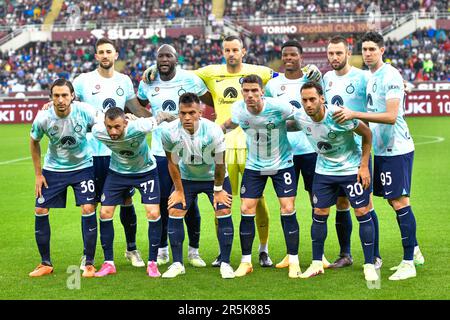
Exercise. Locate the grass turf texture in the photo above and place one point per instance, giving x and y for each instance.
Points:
(429, 202)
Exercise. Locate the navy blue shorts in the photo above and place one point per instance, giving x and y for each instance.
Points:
(165, 181)
(392, 175)
(101, 169)
(326, 189)
(254, 182)
(117, 187)
(306, 165)
(193, 188)
(82, 182)
(342, 193)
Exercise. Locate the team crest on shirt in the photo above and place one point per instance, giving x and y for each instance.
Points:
(134, 144)
(270, 125)
(283, 88)
(78, 128)
(350, 89)
(181, 92)
(120, 92)
(374, 87)
(97, 87)
(332, 134)
(330, 83)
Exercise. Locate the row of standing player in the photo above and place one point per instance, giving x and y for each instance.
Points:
(292, 66)
(347, 86)
(105, 88)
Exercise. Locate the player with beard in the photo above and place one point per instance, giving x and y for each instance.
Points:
(393, 146)
(68, 162)
(345, 85)
(163, 95)
(104, 88)
(132, 166)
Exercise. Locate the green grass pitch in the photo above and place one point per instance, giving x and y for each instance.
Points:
(430, 202)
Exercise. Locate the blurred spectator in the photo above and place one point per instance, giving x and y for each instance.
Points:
(21, 12)
(262, 8)
(425, 57)
(133, 10)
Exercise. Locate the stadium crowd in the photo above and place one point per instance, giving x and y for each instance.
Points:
(124, 10)
(423, 56)
(261, 8)
(21, 12)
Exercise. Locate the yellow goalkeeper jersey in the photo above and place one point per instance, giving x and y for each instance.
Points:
(225, 89)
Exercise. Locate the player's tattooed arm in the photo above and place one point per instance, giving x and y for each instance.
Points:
(177, 196)
(220, 195)
(137, 109)
(228, 126)
(165, 116)
(150, 74)
(144, 103)
(35, 148)
(363, 172)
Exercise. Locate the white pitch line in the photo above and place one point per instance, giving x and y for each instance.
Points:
(435, 140)
(15, 160)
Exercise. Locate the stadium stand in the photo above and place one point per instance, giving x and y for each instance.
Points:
(261, 8)
(22, 12)
(124, 10)
(423, 56)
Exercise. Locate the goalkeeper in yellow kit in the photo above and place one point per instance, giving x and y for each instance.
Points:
(223, 82)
